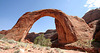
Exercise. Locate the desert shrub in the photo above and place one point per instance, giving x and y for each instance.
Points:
(1, 36)
(47, 48)
(21, 44)
(41, 40)
(17, 51)
(7, 47)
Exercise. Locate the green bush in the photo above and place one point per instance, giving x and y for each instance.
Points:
(92, 40)
(41, 40)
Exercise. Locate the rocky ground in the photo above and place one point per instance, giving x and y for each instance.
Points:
(11, 46)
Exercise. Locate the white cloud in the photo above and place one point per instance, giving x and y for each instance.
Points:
(90, 4)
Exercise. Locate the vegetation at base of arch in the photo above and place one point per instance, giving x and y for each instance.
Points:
(41, 40)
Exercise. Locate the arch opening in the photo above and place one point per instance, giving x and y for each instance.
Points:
(44, 25)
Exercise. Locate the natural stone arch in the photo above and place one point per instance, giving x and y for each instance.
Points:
(25, 22)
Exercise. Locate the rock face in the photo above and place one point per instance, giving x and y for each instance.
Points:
(4, 32)
(69, 28)
(95, 26)
(83, 34)
(31, 36)
(92, 15)
(50, 31)
(81, 28)
(97, 31)
(93, 19)
(97, 36)
(51, 34)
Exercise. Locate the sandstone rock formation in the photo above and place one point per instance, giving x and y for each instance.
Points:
(50, 31)
(92, 15)
(97, 31)
(95, 27)
(31, 36)
(4, 32)
(69, 28)
(83, 33)
(97, 36)
(26, 21)
(49, 34)
(81, 28)
(93, 19)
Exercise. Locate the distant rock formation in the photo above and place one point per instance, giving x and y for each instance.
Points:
(49, 34)
(31, 36)
(4, 32)
(92, 15)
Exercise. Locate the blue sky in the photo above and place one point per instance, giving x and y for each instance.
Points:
(12, 10)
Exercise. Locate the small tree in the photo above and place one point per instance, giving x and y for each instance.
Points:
(41, 40)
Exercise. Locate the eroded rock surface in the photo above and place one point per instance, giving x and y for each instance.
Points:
(93, 19)
(82, 30)
(25, 22)
(95, 26)
(83, 34)
(69, 28)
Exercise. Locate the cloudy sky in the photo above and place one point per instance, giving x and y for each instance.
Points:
(92, 4)
(12, 10)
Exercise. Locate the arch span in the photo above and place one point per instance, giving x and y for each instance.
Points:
(25, 22)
